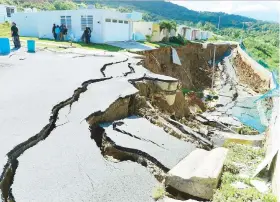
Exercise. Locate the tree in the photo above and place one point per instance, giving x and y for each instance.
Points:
(209, 26)
(64, 5)
(167, 26)
(124, 10)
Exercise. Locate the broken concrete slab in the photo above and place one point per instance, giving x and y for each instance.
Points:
(68, 166)
(150, 139)
(261, 186)
(199, 173)
(240, 185)
(221, 138)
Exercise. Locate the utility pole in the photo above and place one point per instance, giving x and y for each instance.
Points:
(214, 63)
(219, 22)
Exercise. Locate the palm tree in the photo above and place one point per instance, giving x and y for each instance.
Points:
(167, 26)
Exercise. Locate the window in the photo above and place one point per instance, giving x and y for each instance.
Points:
(115, 21)
(66, 20)
(125, 22)
(9, 11)
(107, 20)
(86, 21)
(120, 21)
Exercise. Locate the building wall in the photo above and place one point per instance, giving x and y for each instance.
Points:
(186, 34)
(26, 24)
(141, 29)
(3, 13)
(203, 35)
(198, 34)
(156, 36)
(40, 24)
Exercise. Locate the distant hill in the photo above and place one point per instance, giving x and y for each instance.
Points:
(159, 10)
(260, 38)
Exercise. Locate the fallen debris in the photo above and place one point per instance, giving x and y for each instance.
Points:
(260, 186)
(188, 130)
(221, 138)
(199, 173)
(240, 185)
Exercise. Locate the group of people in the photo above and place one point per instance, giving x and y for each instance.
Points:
(59, 32)
(15, 35)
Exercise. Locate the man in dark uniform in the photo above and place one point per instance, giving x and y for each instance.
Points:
(15, 35)
(53, 31)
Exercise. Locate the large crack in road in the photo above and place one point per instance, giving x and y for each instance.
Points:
(9, 170)
(108, 145)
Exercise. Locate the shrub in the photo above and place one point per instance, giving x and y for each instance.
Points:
(158, 192)
(178, 40)
(149, 38)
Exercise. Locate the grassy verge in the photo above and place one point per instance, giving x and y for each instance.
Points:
(92, 46)
(5, 32)
(160, 44)
(240, 164)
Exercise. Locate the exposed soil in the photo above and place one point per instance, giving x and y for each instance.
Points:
(247, 75)
(195, 70)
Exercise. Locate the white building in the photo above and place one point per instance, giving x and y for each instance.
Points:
(185, 32)
(6, 12)
(106, 25)
(141, 30)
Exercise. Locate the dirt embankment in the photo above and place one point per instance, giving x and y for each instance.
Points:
(248, 76)
(195, 70)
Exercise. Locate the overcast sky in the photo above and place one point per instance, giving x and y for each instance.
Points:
(261, 10)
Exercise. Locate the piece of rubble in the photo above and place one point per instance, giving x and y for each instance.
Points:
(260, 185)
(138, 134)
(199, 173)
(239, 185)
(190, 131)
(174, 200)
(220, 138)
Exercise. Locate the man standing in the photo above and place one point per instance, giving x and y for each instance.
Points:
(61, 36)
(15, 36)
(53, 31)
(87, 35)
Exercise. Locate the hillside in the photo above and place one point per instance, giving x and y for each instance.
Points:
(159, 10)
(260, 38)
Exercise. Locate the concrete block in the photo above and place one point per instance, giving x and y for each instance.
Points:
(222, 138)
(198, 174)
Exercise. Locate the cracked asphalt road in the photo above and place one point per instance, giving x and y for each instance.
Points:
(67, 165)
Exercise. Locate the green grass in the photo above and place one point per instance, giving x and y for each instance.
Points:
(229, 193)
(158, 193)
(5, 32)
(160, 44)
(92, 46)
(241, 159)
(151, 44)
